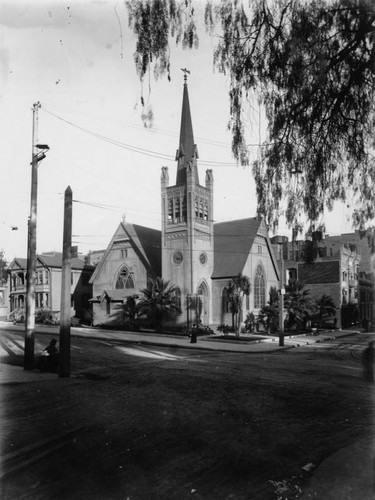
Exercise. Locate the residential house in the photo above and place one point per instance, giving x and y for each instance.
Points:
(48, 285)
(327, 266)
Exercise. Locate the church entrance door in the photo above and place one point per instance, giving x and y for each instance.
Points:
(203, 304)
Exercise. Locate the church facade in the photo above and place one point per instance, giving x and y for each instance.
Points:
(195, 254)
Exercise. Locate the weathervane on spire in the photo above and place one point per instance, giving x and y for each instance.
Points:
(184, 70)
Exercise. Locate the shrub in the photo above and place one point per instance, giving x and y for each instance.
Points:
(44, 316)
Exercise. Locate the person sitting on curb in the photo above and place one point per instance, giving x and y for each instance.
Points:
(49, 359)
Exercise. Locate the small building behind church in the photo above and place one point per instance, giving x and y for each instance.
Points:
(192, 252)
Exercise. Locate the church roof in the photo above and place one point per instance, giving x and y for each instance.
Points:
(187, 150)
(145, 241)
(148, 243)
(232, 244)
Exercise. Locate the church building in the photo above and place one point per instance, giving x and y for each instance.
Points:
(192, 252)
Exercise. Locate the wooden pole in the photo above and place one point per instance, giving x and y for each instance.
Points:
(64, 359)
(281, 311)
(31, 250)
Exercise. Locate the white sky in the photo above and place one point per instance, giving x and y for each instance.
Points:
(77, 61)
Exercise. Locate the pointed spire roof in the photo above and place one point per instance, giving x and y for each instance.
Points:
(187, 150)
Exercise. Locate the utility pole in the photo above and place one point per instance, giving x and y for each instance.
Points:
(282, 293)
(64, 360)
(36, 157)
(31, 252)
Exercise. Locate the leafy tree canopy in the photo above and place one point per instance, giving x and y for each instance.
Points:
(310, 64)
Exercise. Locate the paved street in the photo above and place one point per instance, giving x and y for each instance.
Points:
(151, 421)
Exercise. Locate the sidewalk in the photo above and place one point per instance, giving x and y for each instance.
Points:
(250, 343)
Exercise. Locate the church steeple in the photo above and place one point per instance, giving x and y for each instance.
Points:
(187, 151)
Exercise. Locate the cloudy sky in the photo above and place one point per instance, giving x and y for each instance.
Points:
(76, 58)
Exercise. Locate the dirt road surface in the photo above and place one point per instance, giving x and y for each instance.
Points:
(144, 423)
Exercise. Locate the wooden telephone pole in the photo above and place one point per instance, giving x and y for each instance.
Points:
(64, 360)
(31, 250)
(38, 154)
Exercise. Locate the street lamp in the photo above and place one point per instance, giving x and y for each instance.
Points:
(38, 154)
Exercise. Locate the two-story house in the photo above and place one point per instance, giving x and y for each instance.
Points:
(48, 285)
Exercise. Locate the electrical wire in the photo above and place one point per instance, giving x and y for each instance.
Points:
(135, 149)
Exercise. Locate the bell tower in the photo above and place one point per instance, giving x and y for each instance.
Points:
(187, 226)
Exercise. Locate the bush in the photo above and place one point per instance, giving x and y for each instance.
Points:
(249, 322)
(75, 321)
(225, 328)
(44, 316)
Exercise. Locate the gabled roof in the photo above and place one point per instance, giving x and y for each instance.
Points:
(319, 272)
(148, 241)
(145, 241)
(19, 262)
(53, 259)
(232, 244)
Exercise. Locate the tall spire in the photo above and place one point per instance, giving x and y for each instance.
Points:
(187, 151)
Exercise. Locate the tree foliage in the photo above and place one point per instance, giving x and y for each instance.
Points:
(3, 268)
(325, 305)
(159, 302)
(297, 303)
(237, 289)
(310, 64)
(269, 313)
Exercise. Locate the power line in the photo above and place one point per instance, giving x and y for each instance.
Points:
(134, 149)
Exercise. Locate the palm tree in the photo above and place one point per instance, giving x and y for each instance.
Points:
(160, 302)
(325, 305)
(237, 289)
(297, 303)
(269, 314)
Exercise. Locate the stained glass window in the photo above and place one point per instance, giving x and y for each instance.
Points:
(259, 288)
(124, 279)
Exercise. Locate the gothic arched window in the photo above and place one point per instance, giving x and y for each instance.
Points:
(259, 288)
(124, 279)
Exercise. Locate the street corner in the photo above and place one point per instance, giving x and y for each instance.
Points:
(14, 374)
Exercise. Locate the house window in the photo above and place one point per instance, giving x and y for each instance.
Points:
(124, 280)
(41, 277)
(259, 288)
(292, 274)
(46, 277)
(47, 300)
